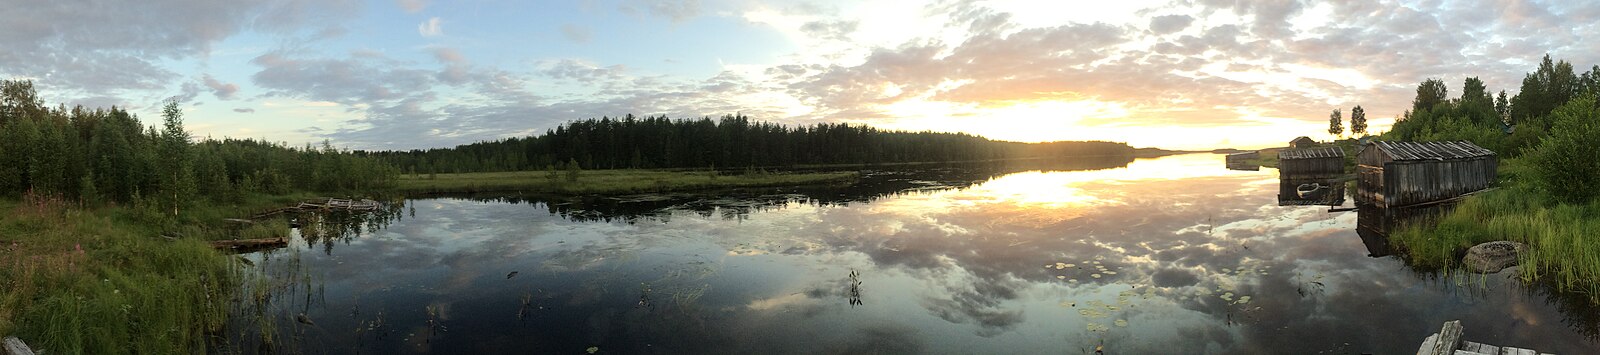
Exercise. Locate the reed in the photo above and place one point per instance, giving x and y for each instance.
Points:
(1564, 251)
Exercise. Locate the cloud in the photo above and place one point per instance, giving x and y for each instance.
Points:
(412, 6)
(831, 30)
(430, 28)
(1170, 23)
(86, 49)
(575, 33)
(675, 10)
(223, 91)
(244, 110)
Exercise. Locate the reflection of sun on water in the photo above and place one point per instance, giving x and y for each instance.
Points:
(1043, 198)
(1034, 188)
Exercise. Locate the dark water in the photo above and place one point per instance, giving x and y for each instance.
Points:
(1175, 255)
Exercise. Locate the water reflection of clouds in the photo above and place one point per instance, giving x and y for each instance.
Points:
(961, 270)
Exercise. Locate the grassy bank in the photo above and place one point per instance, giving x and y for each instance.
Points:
(606, 181)
(103, 280)
(1563, 236)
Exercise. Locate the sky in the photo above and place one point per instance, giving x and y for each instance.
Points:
(408, 74)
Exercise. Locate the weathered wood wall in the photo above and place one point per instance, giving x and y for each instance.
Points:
(1385, 181)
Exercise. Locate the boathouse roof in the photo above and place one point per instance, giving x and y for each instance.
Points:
(1412, 151)
(1311, 153)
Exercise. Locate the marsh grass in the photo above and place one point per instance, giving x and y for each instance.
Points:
(101, 279)
(608, 181)
(1562, 237)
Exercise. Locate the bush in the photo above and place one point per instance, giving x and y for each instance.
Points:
(1567, 162)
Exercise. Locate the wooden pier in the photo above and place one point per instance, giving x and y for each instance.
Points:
(324, 204)
(1448, 342)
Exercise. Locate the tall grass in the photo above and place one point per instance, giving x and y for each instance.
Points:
(104, 280)
(1564, 250)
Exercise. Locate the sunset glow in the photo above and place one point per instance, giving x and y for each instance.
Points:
(413, 74)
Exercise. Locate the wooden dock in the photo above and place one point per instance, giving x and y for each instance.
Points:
(1448, 342)
(324, 204)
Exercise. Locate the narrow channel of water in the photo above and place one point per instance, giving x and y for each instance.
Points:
(1173, 255)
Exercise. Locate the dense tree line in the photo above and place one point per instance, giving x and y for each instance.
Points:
(108, 155)
(1553, 119)
(728, 142)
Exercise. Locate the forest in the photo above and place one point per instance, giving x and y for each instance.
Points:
(732, 141)
(107, 155)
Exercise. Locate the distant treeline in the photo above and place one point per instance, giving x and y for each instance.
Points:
(728, 142)
(108, 155)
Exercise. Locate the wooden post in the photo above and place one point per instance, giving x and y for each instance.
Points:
(1446, 342)
(14, 346)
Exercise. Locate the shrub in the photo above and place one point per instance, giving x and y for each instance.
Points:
(1567, 162)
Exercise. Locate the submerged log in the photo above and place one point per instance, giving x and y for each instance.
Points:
(249, 243)
(14, 346)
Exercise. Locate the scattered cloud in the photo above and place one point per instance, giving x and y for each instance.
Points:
(575, 33)
(223, 91)
(244, 110)
(675, 10)
(430, 28)
(412, 6)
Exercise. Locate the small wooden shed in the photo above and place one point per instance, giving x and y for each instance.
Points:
(1302, 142)
(1400, 174)
(1243, 161)
(1320, 161)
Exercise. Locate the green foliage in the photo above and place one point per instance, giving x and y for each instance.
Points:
(573, 170)
(609, 181)
(660, 142)
(1335, 124)
(1358, 121)
(176, 164)
(1430, 93)
(108, 155)
(1567, 161)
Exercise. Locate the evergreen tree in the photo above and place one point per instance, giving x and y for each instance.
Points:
(1335, 124)
(1358, 120)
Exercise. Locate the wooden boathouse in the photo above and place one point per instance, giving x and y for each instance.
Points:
(1312, 161)
(1243, 161)
(1400, 174)
(1302, 142)
(1311, 177)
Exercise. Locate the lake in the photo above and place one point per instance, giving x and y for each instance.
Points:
(1171, 255)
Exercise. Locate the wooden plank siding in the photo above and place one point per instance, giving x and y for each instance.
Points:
(1396, 174)
(1321, 161)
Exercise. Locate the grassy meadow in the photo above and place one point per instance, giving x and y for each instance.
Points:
(605, 181)
(102, 280)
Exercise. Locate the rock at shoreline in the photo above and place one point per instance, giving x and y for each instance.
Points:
(1491, 257)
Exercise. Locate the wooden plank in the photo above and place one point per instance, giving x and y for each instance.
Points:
(1517, 351)
(1449, 339)
(1480, 348)
(1428, 344)
(248, 243)
(14, 346)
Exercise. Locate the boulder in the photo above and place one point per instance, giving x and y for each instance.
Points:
(1491, 257)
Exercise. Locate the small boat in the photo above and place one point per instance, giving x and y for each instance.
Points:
(1306, 190)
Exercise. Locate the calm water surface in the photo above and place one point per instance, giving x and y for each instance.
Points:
(1175, 255)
